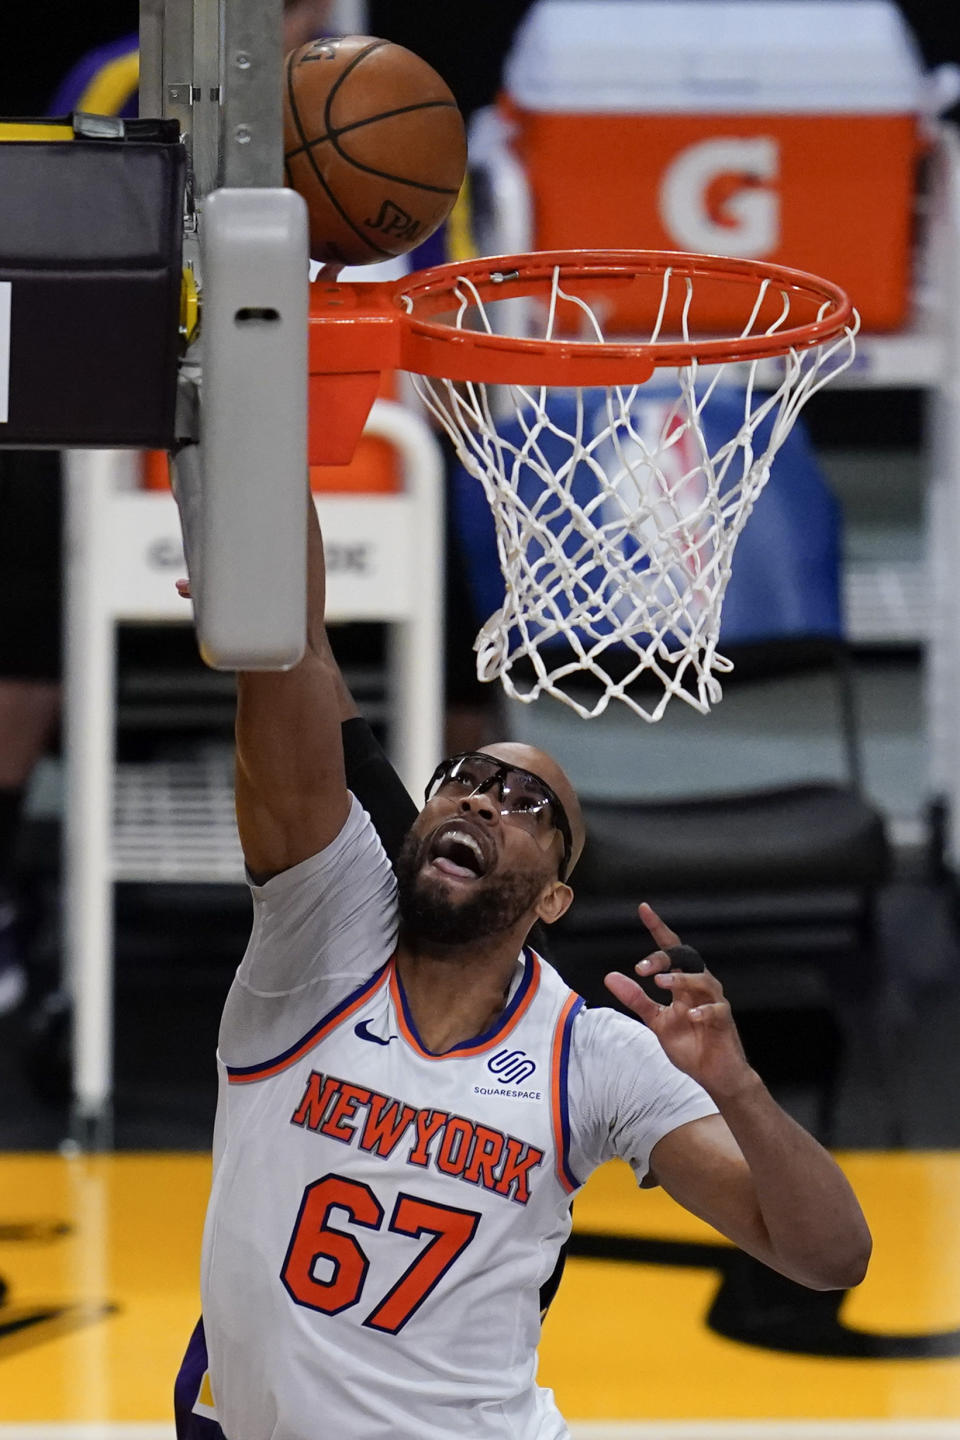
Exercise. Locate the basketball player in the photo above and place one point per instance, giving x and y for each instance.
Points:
(410, 1098)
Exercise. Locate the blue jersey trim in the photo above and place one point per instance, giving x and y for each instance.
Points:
(299, 1047)
(503, 1021)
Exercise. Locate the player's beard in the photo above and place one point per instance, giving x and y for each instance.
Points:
(429, 912)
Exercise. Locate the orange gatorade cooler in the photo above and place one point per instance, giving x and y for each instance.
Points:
(784, 131)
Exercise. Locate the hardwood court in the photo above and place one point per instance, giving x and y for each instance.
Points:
(659, 1328)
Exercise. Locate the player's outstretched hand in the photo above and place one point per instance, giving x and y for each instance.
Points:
(696, 1029)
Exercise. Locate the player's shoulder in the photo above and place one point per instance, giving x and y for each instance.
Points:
(601, 1032)
(550, 984)
(597, 1031)
(354, 855)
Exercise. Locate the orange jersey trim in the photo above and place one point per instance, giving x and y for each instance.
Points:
(559, 1112)
(514, 1013)
(247, 1074)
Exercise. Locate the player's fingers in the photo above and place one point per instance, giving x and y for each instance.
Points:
(684, 957)
(629, 993)
(676, 957)
(662, 934)
(183, 589)
(651, 964)
(715, 1016)
(689, 990)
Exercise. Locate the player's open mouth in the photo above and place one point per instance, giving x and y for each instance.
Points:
(456, 850)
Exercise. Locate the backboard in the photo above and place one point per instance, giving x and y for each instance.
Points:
(242, 411)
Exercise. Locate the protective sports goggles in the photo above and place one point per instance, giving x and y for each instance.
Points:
(524, 797)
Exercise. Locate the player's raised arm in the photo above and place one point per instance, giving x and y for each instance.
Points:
(291, 792)
(750, 1171)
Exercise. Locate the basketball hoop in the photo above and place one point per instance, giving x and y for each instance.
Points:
(616, 521)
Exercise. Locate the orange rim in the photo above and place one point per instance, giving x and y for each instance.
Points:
(432, 347)
(357, 331)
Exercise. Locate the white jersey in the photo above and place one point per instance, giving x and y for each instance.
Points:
(382, 1218)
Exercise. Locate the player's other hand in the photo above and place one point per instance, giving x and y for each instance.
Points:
(183, 589)
(696, 1029)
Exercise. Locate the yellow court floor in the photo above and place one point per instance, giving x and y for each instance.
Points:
(657, 1320)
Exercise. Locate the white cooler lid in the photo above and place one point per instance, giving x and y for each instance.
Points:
(715, 56)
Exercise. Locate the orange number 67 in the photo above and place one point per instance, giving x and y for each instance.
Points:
(314, 1238)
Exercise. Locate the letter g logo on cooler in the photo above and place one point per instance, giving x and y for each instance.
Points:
(716, 196)
(511, 1067)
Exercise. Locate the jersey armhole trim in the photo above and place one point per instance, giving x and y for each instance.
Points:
(559, 1100)
(246, 1074)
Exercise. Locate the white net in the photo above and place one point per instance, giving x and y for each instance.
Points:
(617, 511)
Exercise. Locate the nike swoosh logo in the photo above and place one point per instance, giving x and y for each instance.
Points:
(362, 1033)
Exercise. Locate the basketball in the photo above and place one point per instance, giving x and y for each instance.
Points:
(374, 143)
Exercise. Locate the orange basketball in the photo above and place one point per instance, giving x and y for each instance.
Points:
(374, 143)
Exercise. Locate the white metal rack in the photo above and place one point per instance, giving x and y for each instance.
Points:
(943, 490)
(175, 822)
